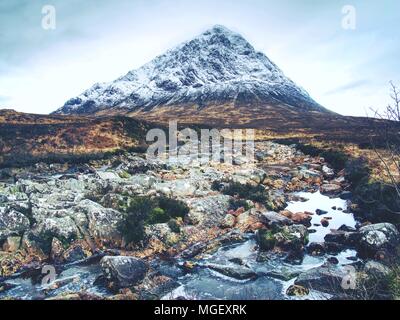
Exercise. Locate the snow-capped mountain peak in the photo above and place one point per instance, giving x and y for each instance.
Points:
(217, 66)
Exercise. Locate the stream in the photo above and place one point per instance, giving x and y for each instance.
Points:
(274, 275)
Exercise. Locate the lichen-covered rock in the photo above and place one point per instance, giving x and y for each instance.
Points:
(162, 232)
(123, 271)
(376, 270)
(228, 221)
(377, 237)
(12, 223)
(209, 210)
(103, 223)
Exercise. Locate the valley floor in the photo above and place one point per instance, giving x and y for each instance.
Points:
(281, 228)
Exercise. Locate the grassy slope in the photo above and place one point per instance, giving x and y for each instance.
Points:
(25, 137)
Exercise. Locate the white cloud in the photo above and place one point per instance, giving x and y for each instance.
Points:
(100, 41)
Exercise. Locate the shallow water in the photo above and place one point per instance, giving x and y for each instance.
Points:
(208, 284)
(318, 201)
(71, 280)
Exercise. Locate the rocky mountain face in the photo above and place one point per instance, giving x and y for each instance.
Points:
(215, 68)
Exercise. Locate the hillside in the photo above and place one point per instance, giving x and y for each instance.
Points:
(24, 137)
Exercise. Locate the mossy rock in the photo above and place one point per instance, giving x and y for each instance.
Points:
(266, 239)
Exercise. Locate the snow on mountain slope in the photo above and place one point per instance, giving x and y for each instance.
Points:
(215, 67)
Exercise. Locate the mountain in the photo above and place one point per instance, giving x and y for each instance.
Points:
(219, 67)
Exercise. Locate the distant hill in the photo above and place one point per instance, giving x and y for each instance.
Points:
(25, 137)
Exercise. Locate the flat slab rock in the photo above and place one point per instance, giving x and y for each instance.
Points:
(330, 189)
(236, 272)
(326, 278)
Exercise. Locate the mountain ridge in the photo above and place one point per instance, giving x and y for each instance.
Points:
(217, 67)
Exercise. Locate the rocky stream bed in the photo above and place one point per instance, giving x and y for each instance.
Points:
(302, 242)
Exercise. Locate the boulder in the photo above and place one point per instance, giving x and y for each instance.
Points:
(287, 238)
(324, 222)
(274, 219)
(298, 217)
(3, 198)
(321, 212)
(12, 223)
(346, 195)
(177, 188)
(346, 228)
(103, 223)
(330, 189)
(209, 210)
(326, 278)
(376, 270)
(228, 221)
(63, 228)
(108, 175)
(123, 271)
(342, 237)
(327, 172)
(236, 272)
(162, 232)
(378, 237)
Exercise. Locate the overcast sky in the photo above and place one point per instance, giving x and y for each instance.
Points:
(346, 70)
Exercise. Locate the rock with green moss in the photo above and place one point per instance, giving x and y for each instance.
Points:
(124, 175)
(287, 238)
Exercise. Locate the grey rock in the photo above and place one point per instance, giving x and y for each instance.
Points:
(346, 195)
(326, 278)
(124, 271)
(103, 223)
(376, 237)
(330, 189)
(327, 172)
(236, 272)
(376, 270)
(209, 210)
(274, 219)
(3, 198)
(12, 223)
(63, 228)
